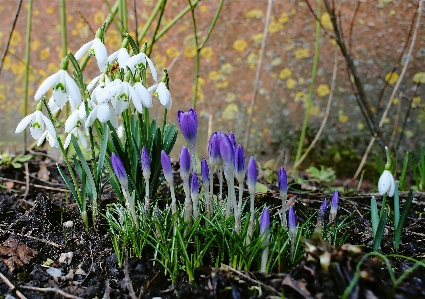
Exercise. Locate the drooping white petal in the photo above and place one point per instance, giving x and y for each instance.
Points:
(144, 94)
(153, 88)
(152, 68)
(72, 89)
(164, 96)
(103, 113)
(49, 125)
(91, 118)
(52, 141)
(53, 106)
(42, 138)
(114, 119)
(24, 123)
(82, 111)
(392, 187)
(84, 48)
(71, 121)
(82, 138)
(37, 125)
(113, 56)
(137, 101)
(135, 60)
(123, 57)
(93, 82)
(60, 90)
(44, 87)
(385, 181)
(100, 54)
(67, 140)
(110, 91)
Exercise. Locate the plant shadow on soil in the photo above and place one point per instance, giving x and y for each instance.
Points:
(35, 223)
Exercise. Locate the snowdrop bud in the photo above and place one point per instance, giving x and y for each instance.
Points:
(119, 170)
(239, 164)
(265, 221)
(166, 167)
(188, 122)
(292, 219)
(146, 164)
(184, 164)
(386, 183)
(252, 175)
(282, 180)
(205, 172)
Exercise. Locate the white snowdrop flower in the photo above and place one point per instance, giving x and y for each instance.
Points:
(79, 136)
(122, 56)
(120, 131)
(96, 48)
(163, 94)
(53, 141)
(37, 121)
(144, 94)
(139, 61)
(63, 87)
(103, 112)
(53, 106)
(75, 118)
(386, 183)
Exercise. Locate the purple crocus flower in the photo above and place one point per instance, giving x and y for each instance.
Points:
(232, 139)
(227, 153)
(166, 167)
(282, 180)
(146, 164)
(334, 202)
(214, 150)
(205, 172)
(292, 220)
(194, 186)
(188, 122)
(321, 214)
(119, 170)
(265, 221)
(239, 163)
(184, 163)
(252, 175)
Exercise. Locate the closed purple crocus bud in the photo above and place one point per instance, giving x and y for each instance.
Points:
(188, 122)
(146, 163)
(214, 150)
(282, 180)
(227, 153)
(232, 139)
(265, 221)
(119, 170)
(205, 172)
(321, 214)
(252, 175)
(194, 186)
(239, 164)
(334, 202)
(292, 222)
(184, 164)
(166, 167)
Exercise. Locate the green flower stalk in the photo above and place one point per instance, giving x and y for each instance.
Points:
(122, 177)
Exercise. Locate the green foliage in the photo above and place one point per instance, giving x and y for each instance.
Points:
(7, 159)
(324, 175)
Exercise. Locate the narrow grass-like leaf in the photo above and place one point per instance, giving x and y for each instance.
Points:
(374, 215)
(70, 186)
(380, 231)
(396, 206)
(403, 183)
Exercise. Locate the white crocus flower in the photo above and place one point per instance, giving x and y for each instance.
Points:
(52, 140)
(37, 121)
(135, 63)
(96, 48)
(122, 56)
(63, 87)
(79, 135)
(386, 183)
(163, 94)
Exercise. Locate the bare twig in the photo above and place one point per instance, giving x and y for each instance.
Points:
(87, 22)
(35, 185)
(384, 115)
(34, 238)
(10, 33)
(56, 290)
(27, 180)
(136, 23)
(350, 35)
(257, 282)
(258, 73)
(325, 119)
(11, 286)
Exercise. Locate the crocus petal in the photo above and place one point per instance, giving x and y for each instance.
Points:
(84, 48)
(49, 126)
(252, 175)
(42, 138)
(72, 88)
(152, 68)
(100, 54)
(44, 87)
(24, 123)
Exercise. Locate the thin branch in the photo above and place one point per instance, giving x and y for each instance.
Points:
(403, 72)
(350, 35)
(10, 33)
(11, 286)
(55, 290)
(258, 73)
(136, 23)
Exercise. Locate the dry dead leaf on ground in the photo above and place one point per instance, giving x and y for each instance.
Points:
(43, 173)
(9, 186)
(15, 254)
